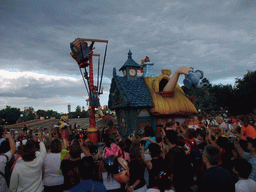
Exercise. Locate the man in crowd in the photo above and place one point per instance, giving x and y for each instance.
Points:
(6, 150)
(177, 164)
(243, 168)
(86, 171)
(251, 156)
(215, 178)
(247, 130)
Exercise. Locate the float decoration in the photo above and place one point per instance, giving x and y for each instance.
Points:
(83, 54)
(193, 79)
(140, 98)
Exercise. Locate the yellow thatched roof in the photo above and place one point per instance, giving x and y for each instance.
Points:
(179, 104)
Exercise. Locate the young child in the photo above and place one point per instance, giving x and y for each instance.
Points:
(243, 168)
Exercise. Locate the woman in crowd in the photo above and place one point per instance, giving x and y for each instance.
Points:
(53, 180)
(107, 168)
(136, 168)
(27, 173)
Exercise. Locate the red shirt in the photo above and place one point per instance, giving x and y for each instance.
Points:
(249, 131)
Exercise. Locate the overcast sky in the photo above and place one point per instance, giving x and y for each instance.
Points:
(36, 69)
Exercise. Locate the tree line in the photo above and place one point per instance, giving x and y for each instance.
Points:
(11, 115)
(237, 99)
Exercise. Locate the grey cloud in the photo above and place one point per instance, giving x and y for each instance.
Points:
(217, 32)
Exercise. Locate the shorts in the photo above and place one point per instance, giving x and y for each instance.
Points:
(64, 134)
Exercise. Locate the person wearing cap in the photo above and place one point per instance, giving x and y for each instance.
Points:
(251, 156)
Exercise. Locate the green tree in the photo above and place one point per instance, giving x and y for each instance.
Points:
(51, 113)
(10, 114)
(29, 113)
(244, 94)
(204, 99)
(41, 113)
(223, 95)
(78, 109)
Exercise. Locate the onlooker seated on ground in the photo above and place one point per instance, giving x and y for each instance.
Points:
(243, 168)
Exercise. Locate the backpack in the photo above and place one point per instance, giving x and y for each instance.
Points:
(195, 155)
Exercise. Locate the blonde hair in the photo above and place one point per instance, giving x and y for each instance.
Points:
(219, 119)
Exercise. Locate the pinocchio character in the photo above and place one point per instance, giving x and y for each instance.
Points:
(95, 101)
(64, 129)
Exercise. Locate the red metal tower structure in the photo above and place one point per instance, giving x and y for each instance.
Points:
(83, 54)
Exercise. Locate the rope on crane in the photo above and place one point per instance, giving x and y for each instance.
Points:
(103, 66)
(84, 81)
(98, 76)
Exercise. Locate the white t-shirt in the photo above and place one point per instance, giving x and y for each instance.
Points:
(110, 183)
(246, 186)
(24, 141)
(157, 190)
(51, 170)
(27, 175)
(147, 157)
(17, 144)
(3, 161)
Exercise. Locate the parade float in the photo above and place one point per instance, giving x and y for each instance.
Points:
(140, 98)
(82, 52)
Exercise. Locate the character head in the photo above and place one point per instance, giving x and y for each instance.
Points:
(95, 88)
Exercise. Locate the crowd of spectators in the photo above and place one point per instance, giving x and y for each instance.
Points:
(201, 153)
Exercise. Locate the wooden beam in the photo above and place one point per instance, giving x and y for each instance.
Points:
(96, 40)
(96, 55)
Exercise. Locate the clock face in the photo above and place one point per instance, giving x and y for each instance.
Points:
(132, 72)
(124, 72)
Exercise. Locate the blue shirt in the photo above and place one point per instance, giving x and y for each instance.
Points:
(252, 160)
(148, 142)
(86, 186)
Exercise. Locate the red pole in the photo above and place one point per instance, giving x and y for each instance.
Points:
(92, 122)
(91, 72)
(92, 131)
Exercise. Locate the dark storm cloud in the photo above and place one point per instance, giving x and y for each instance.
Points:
(217, 37)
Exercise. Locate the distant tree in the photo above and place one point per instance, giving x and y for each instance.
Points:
(29, 113)
(204, 99)
(69, 108)
(78, 109)
(51, 113)
(41, 113)
(244, 94)
(10, 114)
(224, 96)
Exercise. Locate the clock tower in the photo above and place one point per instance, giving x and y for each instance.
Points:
(130, 68)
